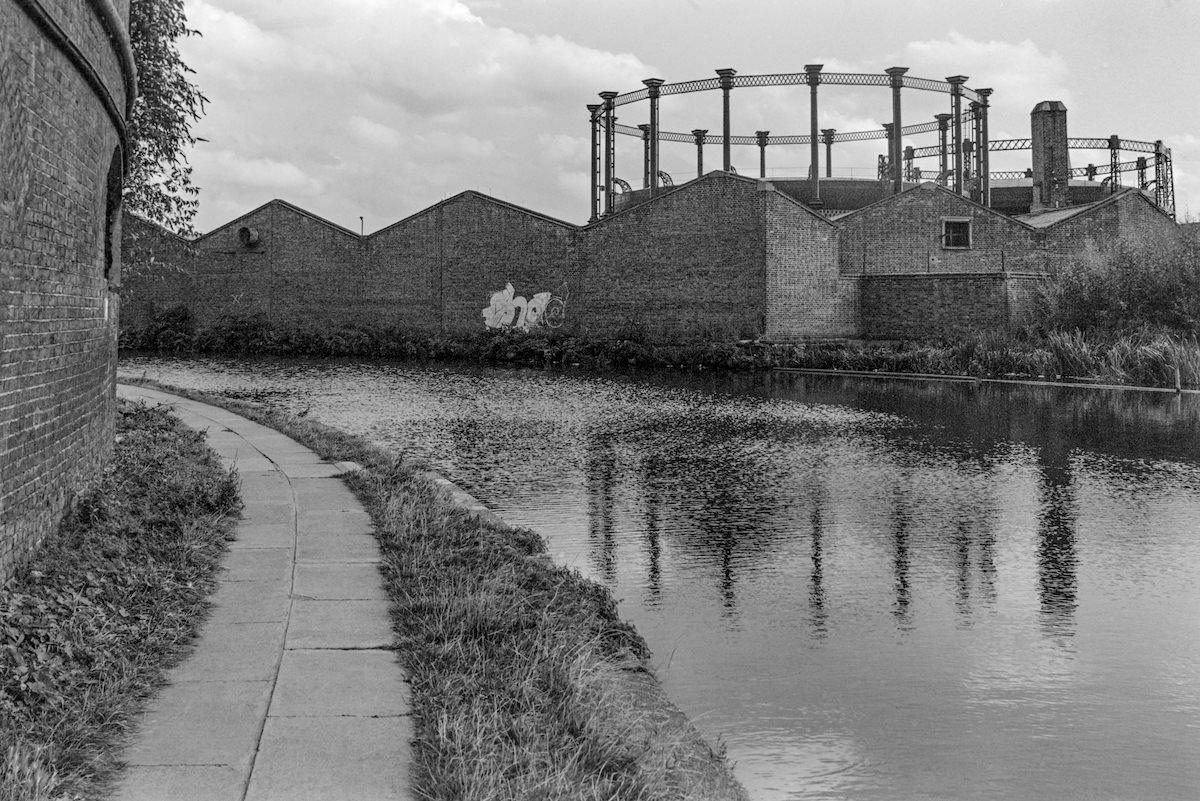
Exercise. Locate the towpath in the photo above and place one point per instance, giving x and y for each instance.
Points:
(292, 691)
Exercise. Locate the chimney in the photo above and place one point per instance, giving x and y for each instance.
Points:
(1051, 160)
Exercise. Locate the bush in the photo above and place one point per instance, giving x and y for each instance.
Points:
(1138, 283)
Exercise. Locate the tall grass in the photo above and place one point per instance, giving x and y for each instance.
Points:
(526, 684)
(88, 626)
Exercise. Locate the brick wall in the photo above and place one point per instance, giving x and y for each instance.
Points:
(157, 268)
(806, 297)
(916, 306)
(903, 235)
(721, 257)
(1128, 214)
(690, 263)
(442, 265)
(59, 182)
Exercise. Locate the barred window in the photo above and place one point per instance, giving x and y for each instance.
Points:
(956, 233)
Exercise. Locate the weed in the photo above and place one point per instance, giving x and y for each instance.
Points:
(88, 626)
(526, 684)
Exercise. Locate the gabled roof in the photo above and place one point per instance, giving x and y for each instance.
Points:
(290, 207)
(471, 193)
(1052, 217)
(930, 186)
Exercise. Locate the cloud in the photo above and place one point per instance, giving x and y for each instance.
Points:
(1020, 72)
(322, 102)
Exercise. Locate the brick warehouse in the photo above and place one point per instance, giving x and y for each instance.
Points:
(721, 256)
(66, 83)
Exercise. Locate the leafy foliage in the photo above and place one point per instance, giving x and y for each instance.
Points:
(87, 628)
(159, 185)
(1138, 283)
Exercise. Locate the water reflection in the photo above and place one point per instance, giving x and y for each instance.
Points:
(900, 558)
(816, 592)
(868, 589)
(1056, 549)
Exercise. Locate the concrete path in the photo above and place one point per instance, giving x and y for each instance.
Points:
(290, 692)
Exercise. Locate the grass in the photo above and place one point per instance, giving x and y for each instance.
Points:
(112, 599)
(526, 684)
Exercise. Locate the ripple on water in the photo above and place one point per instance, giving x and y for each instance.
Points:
(867, 589)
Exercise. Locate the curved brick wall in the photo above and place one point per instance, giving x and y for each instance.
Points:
(65, 84)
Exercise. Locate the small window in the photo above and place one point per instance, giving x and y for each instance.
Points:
(956, 233)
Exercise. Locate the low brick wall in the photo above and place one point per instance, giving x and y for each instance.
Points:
(915, 306)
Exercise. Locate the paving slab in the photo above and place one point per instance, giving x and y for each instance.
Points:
(258, 564)
(324, 495)
(339, 581)
(261, 601)
(193, 782)
(264, 535)
(338, 549)
(337, 624)
(292, 690)
(202, 725)
(234, 652)
(339, 683)
(319, 759)
(263, 512)
(335, 522)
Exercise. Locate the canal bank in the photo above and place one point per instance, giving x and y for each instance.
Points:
(808, 554)
(523, 678)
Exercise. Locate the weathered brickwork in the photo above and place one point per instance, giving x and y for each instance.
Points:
(1128, 214)
(722, 257)
(157, 268)
(806, 297)
(903, 235)
(915, 306)
(443, 264)
(690, 263)
(60, 168)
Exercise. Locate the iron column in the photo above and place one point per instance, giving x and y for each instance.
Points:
(610, 150)
(652, 85)
(827, 138)
(956, 85)
(594, 119)
(699, 134)
(889, 159)
(645, 129)
(985, 164)
(814, 78)
(897, 76)
(726, 85)
(943, 121)
(762, 152)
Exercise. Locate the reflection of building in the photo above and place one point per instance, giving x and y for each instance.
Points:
(718, 257)
(66, 85)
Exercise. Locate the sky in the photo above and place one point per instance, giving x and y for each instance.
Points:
(378, 109)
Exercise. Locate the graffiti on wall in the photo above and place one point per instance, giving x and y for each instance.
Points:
(509, 310)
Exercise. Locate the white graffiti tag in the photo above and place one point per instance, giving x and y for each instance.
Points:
(509, 311)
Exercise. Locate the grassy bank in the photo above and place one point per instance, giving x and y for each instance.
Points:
(111, 600)
(525, 682)
(1143, 358)
(1137, 357)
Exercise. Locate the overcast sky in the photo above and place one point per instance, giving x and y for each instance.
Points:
(381, 108)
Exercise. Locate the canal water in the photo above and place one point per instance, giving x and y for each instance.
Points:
(864, 589)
